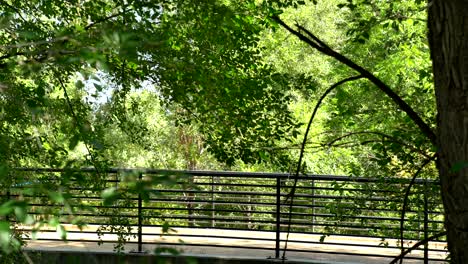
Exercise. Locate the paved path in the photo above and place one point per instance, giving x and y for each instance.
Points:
(221, 246)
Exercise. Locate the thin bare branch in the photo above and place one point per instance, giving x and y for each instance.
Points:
(17, 11)
(349, 144)
(301, 155)
(405, 199)
(420, 243)
(75, 118)
(309, 125)
(104, 19)
(11, 55)
(393, 140)
(35, 43)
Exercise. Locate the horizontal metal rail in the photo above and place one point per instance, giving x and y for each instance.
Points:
(326, 207)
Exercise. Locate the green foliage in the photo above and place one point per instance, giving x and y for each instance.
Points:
(389, 40)
(220, 65)
(398, 55)
(359, 123)
(202, 56)
(201, 85)
(201, 59)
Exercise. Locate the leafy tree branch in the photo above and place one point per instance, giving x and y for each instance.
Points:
(314, 42)
(104, 19)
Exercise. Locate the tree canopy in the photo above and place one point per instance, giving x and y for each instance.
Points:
(225, 84)
(197, 56)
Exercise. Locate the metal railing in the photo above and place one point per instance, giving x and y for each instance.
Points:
(330, 214)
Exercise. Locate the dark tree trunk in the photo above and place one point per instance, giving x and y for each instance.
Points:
(448, 37)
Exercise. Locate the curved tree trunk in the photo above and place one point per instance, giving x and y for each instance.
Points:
(448, 37)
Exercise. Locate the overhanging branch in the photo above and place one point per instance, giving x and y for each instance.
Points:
(313, 41)
(104, 19)
(420, 243)
(383, 135)
(76, 119)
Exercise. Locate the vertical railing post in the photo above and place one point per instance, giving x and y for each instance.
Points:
(190, 198)
(212, 203)
(426, 225)
(278, 217)
(313, 205)
(140, 216)
(8, 194)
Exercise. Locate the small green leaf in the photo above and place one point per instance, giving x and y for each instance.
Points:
(322, 238)
(166, 228)
(4, 233)
(21, 212)
(79, 85)
(4, 226)
(62, 232)
(74, 142)
(7, 208)
(110, 195)
(54, 222)
(4, 169)
(56, 197)
(98, 87)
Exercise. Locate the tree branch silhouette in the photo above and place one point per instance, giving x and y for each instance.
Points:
(290, 196)
(422, 242)
(405, 199)
(314, 42)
